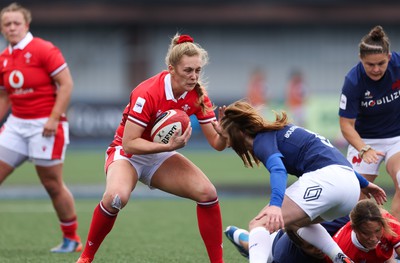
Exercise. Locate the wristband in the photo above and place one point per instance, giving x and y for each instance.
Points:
(364, 149)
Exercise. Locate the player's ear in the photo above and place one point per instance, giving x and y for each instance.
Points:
(171, 69)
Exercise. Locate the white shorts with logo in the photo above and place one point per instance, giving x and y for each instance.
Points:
(330, 192)
(24, 136)
(389, 146)
(145, 165)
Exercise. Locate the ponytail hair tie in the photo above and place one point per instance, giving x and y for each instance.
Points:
(184, 38)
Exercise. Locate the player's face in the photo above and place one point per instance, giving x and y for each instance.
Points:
(369, 234)
(185, 75)
(14, 27)
(375, 65)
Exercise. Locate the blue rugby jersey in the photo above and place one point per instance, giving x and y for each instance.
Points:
(296, 151)
(374, 104)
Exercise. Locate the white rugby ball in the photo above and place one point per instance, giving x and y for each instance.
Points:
(167, 124)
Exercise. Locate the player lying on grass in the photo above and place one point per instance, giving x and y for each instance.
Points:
(287, 247)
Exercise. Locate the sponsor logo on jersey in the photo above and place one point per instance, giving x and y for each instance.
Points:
(367, 95)
(343, 102)
(290, 131)
(381, 101)
(139, 104)
(16, 79)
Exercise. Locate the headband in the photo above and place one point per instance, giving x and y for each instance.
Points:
(184, 38)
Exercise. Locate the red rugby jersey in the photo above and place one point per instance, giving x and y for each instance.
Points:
(26, 74)
(154, 96)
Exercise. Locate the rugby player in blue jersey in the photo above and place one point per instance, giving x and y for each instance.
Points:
(327, 186)
(370, 111)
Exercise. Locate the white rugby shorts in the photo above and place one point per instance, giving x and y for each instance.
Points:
(145, 165)
(330, 192)
(389, 146)
(24, 136)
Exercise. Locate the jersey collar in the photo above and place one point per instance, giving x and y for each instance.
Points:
(168, 89)
(22, 44)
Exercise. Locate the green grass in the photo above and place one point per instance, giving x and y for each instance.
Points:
(153, 230)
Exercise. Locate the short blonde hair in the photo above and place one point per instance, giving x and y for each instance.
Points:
(15, 7)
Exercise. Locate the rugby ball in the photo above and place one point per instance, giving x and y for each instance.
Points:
(167, 124)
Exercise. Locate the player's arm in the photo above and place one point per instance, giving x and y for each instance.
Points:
(65, 84)
(347, 126)
(217, 141)
(368, 154)
(5, 103)
(132, 142)
(278, 179)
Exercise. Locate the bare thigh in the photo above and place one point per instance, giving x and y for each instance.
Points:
(293, 216)
(121, 180)
(5, 171)
(179, 176)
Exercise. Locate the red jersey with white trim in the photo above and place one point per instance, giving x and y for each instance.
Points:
(153, 97)
(347, 241)
(26, 72)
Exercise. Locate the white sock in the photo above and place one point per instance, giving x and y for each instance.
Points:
(259, 245)
(317, 236)
(237, 233)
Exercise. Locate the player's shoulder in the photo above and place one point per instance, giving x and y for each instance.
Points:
(4, 52)
(154, 81)
(40, 42)
(354, 75)
(395, 59)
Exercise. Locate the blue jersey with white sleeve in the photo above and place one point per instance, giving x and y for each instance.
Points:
(374, 104)
(296, 151)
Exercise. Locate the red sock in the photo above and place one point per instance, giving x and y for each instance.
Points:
(69, 227)
(210, 226)
(101, 225)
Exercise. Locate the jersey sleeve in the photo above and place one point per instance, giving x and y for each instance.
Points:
(140, 108)
(52, 58)
(278, 179)
(349, 103)
(363, 182)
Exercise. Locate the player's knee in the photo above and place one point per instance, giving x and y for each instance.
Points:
(255, 223)
(206, 192)
(115, 202)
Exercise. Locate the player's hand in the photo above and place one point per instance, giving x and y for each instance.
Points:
(372, 156)
(177, 142)
(215, 124)
(372, 190)
(50, 128)
(221, 112)
(270, 217)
